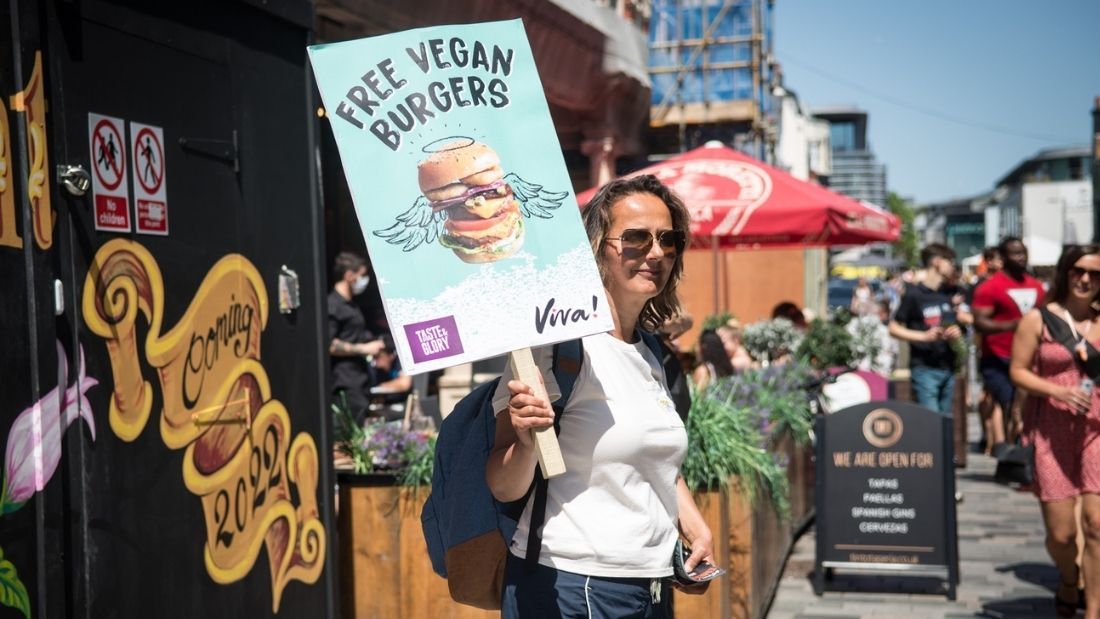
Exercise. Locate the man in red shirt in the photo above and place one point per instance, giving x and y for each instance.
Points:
(999, 303)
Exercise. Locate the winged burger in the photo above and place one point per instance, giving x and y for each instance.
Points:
(464, 180)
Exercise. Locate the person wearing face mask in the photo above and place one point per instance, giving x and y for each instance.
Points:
(351, 342)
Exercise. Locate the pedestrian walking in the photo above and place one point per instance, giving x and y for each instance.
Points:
(927, 319)
(999, 304)
(1055, 361)
(989, 410)
(613, 518)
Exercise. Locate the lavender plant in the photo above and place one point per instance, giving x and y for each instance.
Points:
(385, 447)
(725, 439)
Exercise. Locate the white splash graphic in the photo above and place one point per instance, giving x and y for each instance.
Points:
(494, 309)
(1025, 298)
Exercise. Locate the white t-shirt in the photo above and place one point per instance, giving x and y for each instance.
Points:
(614, 512)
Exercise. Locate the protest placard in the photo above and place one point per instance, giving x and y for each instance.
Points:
(462, 193)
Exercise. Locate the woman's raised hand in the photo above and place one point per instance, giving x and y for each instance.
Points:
(527, 411)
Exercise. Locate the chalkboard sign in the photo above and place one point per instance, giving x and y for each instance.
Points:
(886, 491)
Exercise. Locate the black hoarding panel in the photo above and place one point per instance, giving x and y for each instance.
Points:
(40, 405)
(203, 490)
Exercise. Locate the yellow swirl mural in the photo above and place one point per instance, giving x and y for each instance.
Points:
(241, 457)
(8, 235)
(32, 102)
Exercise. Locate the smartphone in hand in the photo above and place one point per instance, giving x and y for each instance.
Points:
(701, 573)
(705, 571)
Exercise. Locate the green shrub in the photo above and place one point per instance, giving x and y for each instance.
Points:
(714, 321)
(724, 441)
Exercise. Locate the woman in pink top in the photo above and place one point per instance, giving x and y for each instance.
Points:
(1062, 421)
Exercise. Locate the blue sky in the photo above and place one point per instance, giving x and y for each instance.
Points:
(958, 91)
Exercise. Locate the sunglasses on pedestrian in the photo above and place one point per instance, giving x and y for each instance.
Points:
(1077, 272)
(672, 242)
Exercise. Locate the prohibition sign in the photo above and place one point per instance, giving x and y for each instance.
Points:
(149, 156)
(109, 146)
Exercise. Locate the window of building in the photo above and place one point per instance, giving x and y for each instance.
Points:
(1078, 168)
(842, 136)
(1058, 169)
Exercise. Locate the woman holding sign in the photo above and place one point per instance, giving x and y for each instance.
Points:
(613, 520)
(1054, 359)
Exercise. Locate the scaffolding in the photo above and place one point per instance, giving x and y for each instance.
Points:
(711, 66)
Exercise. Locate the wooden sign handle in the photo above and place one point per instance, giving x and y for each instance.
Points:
(546, 441)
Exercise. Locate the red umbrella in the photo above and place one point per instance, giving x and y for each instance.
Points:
(737, 201)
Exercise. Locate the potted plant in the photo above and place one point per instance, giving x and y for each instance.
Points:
(770, 340)
(740, 446)
(384, 448)
(383, 474)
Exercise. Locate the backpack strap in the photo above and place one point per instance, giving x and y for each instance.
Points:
(568, 358)
(675, 381)
(1060, 331)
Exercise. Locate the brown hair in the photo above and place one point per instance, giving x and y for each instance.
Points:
(711, 350)
(1059, 288)
(346, 261)
(936, 250)
(597, 223)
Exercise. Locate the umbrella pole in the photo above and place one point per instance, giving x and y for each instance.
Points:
(714, 267)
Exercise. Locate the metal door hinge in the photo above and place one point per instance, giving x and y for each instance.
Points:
(74, 178)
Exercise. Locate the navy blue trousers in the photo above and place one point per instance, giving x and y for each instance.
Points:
(548, 593)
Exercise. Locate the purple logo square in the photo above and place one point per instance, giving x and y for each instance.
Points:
(434, 339)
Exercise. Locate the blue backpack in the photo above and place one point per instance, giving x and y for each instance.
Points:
(468, 531)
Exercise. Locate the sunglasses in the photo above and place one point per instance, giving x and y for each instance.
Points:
(637, 239)
(1077, 272)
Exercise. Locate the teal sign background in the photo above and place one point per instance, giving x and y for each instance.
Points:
(470, 82)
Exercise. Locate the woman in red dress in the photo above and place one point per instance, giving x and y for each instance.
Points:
(1062, 421)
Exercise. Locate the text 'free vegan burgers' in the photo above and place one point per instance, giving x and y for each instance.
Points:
(483, 222)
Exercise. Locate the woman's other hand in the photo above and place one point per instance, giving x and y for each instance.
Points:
(527, 411)
(702, 549)
(1075, 398)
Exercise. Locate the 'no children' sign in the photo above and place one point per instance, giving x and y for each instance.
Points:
(110, 186)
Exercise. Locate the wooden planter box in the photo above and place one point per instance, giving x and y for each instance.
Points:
(751, 542)
(385, 571)
(802, 477)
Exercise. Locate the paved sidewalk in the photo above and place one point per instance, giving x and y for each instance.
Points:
(1005, 569)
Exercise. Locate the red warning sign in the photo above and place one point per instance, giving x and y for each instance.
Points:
(149, 169)
(110, 187)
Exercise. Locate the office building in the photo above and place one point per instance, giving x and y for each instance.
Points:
(856, 172)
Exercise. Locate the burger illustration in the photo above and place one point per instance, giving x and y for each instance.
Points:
(470, 204)
(465, 182)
